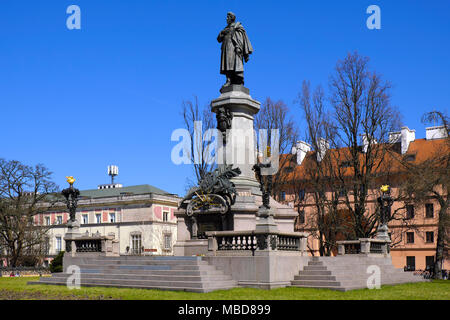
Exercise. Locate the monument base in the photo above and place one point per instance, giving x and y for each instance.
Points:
(191, 247)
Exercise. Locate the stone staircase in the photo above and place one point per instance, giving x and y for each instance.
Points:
(154, 272)
(348, 273)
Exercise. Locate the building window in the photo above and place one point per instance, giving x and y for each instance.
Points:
(345, 164)
(59, 220)
(301, 216)
(430, 236)
(98, 218)
(322, 194)
(47, 221)
(136, 244)
(288, 169)
(165, 216)
(85, 219)
(301, 195)
(58, 244)
(46, 248)
(429, 262)
(112, 217)
(410, 263)
(410, 237)
(342, 193)
(282, 196)
(409, 211)
(429, 210)
(167, 242)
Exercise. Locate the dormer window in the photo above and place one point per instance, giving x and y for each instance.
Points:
(345, 164)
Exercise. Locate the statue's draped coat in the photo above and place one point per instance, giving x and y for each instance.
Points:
(235, 37)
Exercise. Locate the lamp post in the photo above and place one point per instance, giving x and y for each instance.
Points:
(71, 195)
(265, 213)
(385, 201)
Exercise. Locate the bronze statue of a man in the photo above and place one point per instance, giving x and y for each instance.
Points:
(236, 48)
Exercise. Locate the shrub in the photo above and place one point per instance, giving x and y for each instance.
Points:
(57, 263)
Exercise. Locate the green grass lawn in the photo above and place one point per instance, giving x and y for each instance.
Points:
(17, 288)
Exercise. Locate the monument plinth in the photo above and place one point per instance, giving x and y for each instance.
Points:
(235, 110)
(240, 144)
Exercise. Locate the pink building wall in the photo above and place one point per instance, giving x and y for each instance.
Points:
(158, 212)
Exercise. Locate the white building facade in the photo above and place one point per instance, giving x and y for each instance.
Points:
(140, 217)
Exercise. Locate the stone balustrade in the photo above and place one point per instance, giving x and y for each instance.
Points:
(252, 241)
(96, 243)
(364, 246)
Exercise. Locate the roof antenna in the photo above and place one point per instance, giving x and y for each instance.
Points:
(112, 172)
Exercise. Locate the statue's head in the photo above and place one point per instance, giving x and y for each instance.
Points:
(231, 17)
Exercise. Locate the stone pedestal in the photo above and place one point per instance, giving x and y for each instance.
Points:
(72, 233)
(240, 151)
(241, 141)
(382, 232)
(265, 221)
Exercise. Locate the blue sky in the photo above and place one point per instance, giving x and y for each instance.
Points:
(111, 93)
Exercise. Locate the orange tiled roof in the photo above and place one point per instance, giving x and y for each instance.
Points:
(419, 151)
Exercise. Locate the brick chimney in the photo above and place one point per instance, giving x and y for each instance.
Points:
(395, 137)
(438, 132)
(407, 136)
(300, 149)
(365, 142)
(323, 146)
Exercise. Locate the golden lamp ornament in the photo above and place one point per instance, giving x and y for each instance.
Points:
(70, 180)
(384, 188)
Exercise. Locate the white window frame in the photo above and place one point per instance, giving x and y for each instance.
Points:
(136, 238)
(58, 244)
(112, 214)
(166, 216)
(167, 241)
(47, 220)
(85, 215)
(97, 220)
(59, 219)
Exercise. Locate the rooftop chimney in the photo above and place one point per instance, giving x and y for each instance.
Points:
(438, 132)
(323, 146)
(300, 149)
(366, 141)
(407, 136)
(395, 137)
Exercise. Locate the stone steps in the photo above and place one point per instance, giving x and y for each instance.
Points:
(216, 277)
(318, 282)
(165, 273)
(202, 267)
(196, 284)
(314, 277)
(145, 286)
(315, 268)
(347, 274)
(145, 262)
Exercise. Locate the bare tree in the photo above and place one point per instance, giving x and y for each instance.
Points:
(197, 121)
(430, 179)
(350, 138)
(25, 192)
(363, 115)
(327, 224)
(274, 115)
